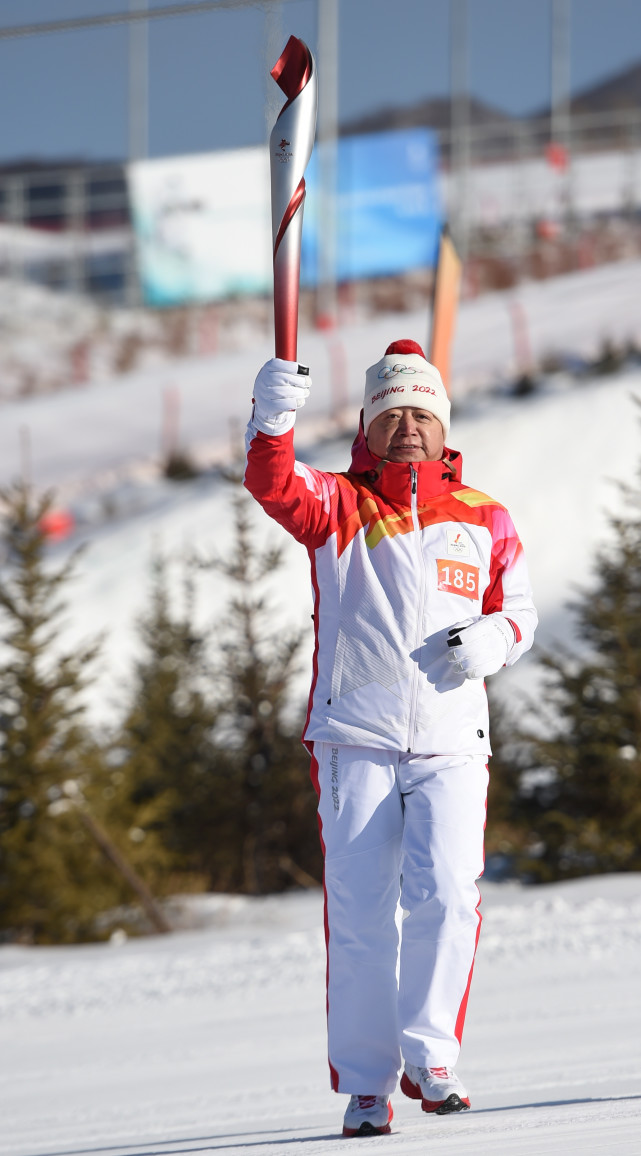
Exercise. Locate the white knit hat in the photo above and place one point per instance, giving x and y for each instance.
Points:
(405, 377)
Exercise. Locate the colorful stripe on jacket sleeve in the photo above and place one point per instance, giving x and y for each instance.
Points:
(509, 592)
(299, 498)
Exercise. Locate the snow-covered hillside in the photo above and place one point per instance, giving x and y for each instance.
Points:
(93, 436)
(213, 1040)
(531, 188)
(550, 457)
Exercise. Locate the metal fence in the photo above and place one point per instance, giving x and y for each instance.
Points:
(68, 227)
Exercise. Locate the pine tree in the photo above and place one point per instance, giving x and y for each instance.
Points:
(52, 879)
(164, 753)
(214, 781)
(266, 828)
(584, 805)
(506, 832)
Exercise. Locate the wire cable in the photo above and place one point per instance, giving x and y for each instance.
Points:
(45, 28)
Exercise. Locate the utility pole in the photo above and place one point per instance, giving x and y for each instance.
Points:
(560, 114)
(16, 208)
(459, 126)
(560, 127)
(76, 213)
(326, 305)
(274, 42)
(138, 122)
(138, 84)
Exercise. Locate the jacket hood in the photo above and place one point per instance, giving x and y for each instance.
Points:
(365, 462)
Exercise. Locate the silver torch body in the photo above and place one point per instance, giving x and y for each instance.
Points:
(290, 147)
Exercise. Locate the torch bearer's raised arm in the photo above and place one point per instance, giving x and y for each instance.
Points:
(290, 148)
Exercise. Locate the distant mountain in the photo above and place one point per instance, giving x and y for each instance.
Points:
(618, 93)
(437, 114)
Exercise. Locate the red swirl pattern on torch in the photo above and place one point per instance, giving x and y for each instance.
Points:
(294, 204)
(292, 70)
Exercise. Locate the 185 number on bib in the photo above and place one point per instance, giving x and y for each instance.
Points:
(458, 577)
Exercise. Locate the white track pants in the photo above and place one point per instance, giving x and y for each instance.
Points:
(391, 823)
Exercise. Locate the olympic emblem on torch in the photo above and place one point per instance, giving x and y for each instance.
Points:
(283, 152)
(290, 148)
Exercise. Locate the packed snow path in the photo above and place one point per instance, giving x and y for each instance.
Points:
(549, 457)
(213, 1040)
(91, 435)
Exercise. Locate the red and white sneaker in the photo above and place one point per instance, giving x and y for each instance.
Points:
(438, 1089)
(368, 1116)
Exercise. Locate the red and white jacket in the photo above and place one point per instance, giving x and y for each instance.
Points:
(399, 553)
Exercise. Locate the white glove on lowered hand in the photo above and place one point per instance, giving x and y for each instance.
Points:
(477, 647)
(279, 390)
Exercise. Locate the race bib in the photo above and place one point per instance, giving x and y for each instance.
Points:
(458, 577)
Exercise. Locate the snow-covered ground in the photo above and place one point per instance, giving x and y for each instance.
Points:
(550, 457)
(107, 430)
(530, 187)
(213, 1040)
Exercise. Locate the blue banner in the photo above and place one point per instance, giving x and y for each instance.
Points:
(388, 213)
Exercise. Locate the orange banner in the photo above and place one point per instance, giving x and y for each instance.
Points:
(447, 284)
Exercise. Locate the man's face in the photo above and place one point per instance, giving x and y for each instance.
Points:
(406, 434)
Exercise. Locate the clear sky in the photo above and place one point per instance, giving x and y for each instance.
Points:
(66, 94)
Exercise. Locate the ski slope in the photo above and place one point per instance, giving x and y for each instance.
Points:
(551, 458)
(93, 437)
(213, 1039)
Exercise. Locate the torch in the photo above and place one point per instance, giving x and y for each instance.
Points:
(290, 147)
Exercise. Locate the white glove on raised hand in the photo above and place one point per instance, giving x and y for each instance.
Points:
(279, 390)
(477, 647)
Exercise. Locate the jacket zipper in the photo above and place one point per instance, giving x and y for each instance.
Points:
(411, 730)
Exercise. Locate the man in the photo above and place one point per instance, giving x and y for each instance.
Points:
(420, 591)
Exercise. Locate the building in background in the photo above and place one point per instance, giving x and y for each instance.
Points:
(67, 226)
(203, 223)
(202, 231)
